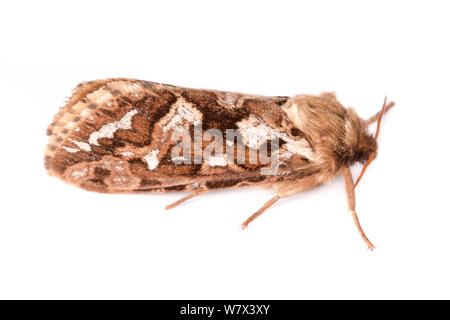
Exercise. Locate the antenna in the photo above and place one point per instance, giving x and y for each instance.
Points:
(380, 116)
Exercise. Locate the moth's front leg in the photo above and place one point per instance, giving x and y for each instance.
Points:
(350, 189)
(284, 190)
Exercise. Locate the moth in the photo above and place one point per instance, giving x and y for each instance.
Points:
(132, 136)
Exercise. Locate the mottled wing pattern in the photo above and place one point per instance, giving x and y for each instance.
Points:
(115, 136)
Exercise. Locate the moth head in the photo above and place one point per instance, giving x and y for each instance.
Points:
(362, 145)
(373, 154)
(367, 148)
(338, 135)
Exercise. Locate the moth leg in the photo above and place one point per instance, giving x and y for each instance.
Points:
(260, 211)
(349, 188)
(283, 190)
(189, 196)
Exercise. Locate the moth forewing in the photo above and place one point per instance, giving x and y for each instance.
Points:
(125, 136)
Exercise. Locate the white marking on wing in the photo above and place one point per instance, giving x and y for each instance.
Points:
(217, 161)
(152, 159)
(82, 145)
(80, 173)
(127, 153)
(107, 131)
(183, 112)
(255, 133)
(100, 96)
(71, 150)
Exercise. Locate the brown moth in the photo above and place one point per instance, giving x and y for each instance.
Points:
(125, 136)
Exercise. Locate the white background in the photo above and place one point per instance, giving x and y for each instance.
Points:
(57, 241)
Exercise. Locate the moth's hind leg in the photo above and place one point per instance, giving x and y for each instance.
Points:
(187, 197)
